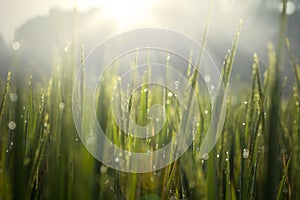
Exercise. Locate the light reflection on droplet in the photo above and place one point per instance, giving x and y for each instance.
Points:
(12, 125)
(207, 78)
(205, 156)
(13, 97)
(16, 45)
(245, 153)
(103, 169)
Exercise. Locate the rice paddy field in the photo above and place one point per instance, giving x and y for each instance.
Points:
(256, 156)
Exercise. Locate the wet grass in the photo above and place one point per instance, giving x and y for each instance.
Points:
(256, 157)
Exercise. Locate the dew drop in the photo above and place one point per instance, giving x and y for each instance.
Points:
(66, 48)
(62, 106)
(145, 90)
(245, 102)
(12, 125)
(176, 83)
(207, 78)
(103, 169)
(170, 94)
(13, 97)
(205, 156)
(206, 112)
(117, 159)
(16, 45)
(244, 123)
(218, 155)
(212, 87)
(245, 153)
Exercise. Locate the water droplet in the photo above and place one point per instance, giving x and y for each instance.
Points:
(13, 97)
(117, 159)
(226, 159)
(176, 83)
(205, 156)
(168, 57)
(66, 48)
(245, 102)
(103, 169)
(245, 153)
(12, 125)
(62, 106)
(6, 151)
(206, 112)
(218, 155)
(170, 94)
(16, 45)
(244, 123)
(76, 139)
(212, 87)
(145, 90)
(207, 78)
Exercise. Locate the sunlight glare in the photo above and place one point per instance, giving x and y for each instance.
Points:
(124, 12)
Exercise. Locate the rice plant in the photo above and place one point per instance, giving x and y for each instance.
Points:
(256, 157)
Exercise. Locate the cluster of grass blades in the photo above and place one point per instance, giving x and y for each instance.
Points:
(256, 157)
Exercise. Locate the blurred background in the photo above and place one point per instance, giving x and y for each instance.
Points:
(39, 32)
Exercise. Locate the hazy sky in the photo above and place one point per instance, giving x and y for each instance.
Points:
(14, 13)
